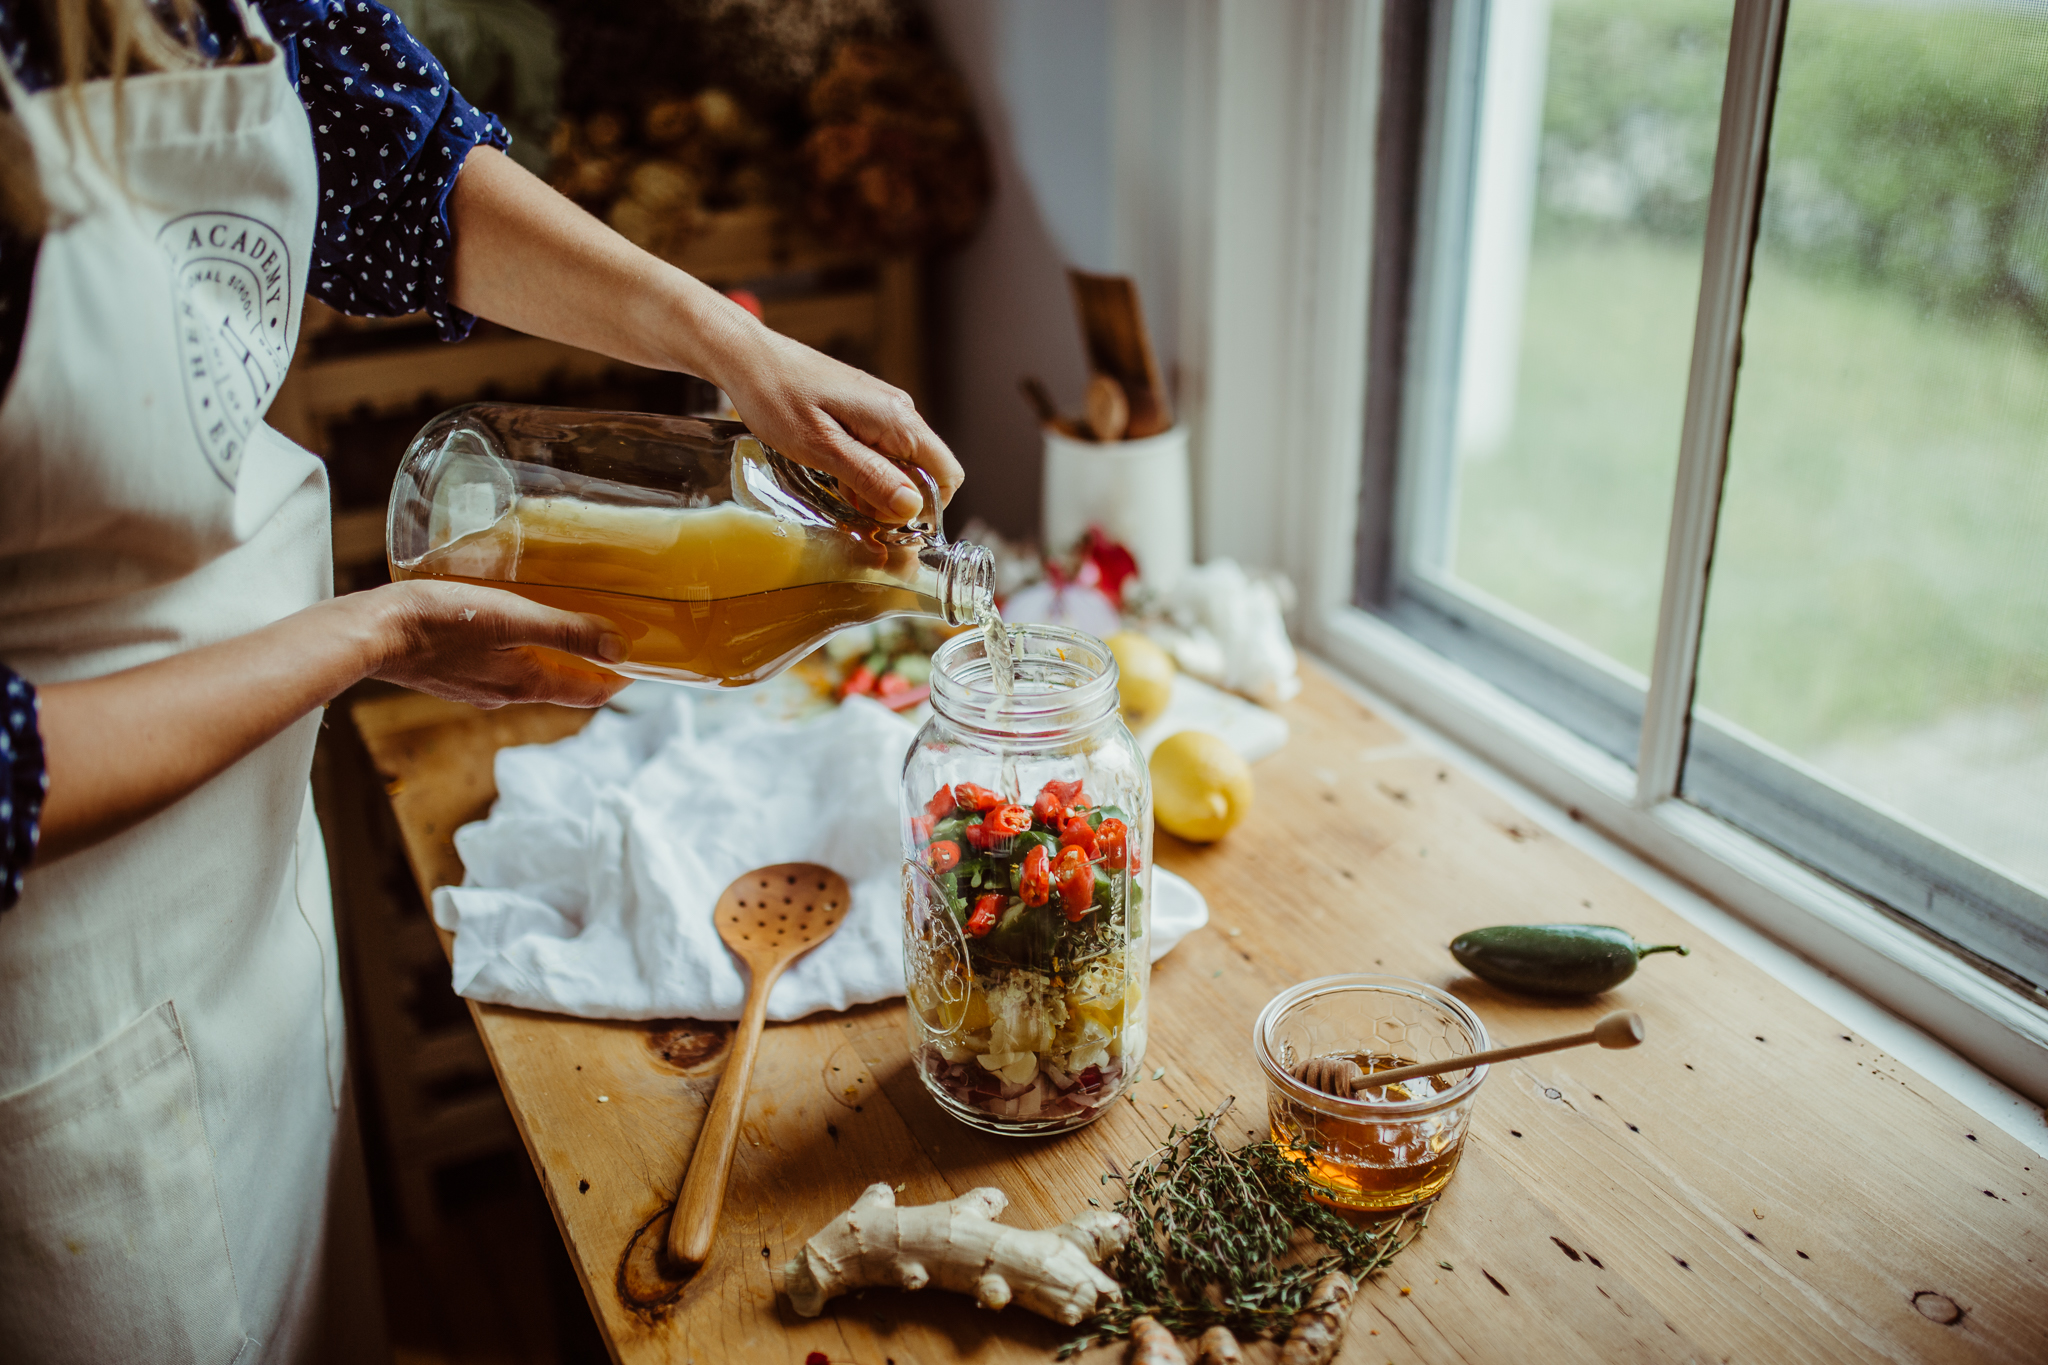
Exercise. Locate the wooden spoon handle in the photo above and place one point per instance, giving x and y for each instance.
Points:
(1616, 1030)
(695, 1220)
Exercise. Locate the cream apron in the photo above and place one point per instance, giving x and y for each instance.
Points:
(170, 1015)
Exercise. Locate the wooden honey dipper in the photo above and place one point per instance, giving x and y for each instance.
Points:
(1343, 1077)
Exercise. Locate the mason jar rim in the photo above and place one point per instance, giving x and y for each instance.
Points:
(1269, 1017)
(964, 693)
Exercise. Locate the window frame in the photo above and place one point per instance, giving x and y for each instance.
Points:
(1499, 682)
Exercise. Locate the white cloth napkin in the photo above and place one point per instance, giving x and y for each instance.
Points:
(590, 886)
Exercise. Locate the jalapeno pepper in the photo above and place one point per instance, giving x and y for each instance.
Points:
(1034, 883)
(944, 855)
(1076, 882)
(970, 797)
(986, 910)
(941, 805)
(1008, 821)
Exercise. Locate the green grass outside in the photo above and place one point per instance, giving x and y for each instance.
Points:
(1883, 556)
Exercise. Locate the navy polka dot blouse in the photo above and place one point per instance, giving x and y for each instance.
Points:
(390, 132)
(22, 782)
(389, 129)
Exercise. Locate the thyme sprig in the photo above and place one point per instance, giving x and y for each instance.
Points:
(1229, 1236)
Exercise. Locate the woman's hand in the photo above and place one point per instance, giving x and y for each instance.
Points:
(832, 417)
(120, 748)
(487, 647)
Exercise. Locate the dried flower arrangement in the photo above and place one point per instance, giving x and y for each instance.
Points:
(837, 115)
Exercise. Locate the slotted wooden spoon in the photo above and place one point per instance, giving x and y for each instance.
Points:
(769, 918)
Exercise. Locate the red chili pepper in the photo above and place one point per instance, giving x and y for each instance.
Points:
(944, 855)
(1078, 835)
(1034, 883)
(941, 804)
(1053, 800)
(977, 835)
(1110, 840)
(1007, 821)
(986, 909)
(860, 682)
(922, 826)
(971, 797)
(1076, 881)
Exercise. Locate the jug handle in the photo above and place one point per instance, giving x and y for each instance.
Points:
(932, 518)
(929, 527)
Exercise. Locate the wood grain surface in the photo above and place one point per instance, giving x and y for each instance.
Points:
(1754, 1183)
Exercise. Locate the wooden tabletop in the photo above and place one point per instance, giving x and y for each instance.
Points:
(1755, 1183)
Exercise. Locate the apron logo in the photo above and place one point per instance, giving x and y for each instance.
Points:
(231, 275)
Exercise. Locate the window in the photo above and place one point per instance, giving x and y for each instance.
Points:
(1714, 426)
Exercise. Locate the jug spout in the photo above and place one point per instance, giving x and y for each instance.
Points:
(967, 579)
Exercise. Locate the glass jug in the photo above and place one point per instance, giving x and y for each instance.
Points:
(721, 561)
(1027, 840)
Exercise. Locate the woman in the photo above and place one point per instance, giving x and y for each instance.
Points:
(170, 1031)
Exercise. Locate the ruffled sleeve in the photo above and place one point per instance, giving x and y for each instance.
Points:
(22, 782)
(391, 134)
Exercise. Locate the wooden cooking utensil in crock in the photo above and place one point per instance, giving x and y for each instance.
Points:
(769, 918)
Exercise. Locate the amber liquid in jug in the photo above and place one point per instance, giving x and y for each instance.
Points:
(722, 569)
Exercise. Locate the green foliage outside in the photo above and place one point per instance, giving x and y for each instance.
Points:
(1883, 556)
(1910, 145)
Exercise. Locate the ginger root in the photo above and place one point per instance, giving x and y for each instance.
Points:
(1219, 1347)
(958, 1245)
(1152, 1344)
(1318, 1328)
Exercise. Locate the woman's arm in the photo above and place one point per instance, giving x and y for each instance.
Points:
(528, 258)
(122, 747)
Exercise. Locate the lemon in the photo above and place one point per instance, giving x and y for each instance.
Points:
(1144, 676)
(1201, 788)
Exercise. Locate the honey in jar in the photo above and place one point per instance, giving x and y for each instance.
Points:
(1375, 1163)
(1377, 1148)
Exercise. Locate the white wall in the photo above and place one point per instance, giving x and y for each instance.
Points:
(1082, 103)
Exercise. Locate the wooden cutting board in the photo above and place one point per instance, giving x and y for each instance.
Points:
(1755, 1183)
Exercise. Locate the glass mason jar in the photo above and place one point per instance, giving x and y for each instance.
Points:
(721, 561)
(1381, 1148)
(1027, 838)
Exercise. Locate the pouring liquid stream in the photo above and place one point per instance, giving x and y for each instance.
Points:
(1002, 662)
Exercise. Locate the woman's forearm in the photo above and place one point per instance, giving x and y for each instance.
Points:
(120, 748)
(530, 259)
